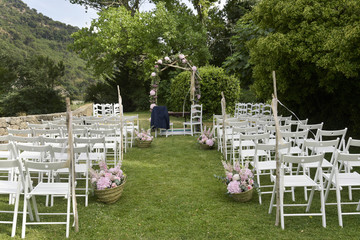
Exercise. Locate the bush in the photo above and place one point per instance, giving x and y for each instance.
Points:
(32, 101)
(213, 81)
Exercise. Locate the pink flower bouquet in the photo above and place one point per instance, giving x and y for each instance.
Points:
(106, 178)
(238, 179)
(207, 137)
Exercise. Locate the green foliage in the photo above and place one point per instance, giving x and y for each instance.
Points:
(25, 33)
(31, 100)
(314, 47)
(140, 39)
(213, 81)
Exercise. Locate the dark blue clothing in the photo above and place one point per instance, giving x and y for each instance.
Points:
(160, 117)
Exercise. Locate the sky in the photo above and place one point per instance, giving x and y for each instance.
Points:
(74, 14)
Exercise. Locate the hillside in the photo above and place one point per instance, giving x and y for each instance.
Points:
(24, 32)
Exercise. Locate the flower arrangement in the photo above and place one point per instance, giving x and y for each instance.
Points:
(144, 135)
(207, 137)
(176, 61)
(239, 181)
(105, 177)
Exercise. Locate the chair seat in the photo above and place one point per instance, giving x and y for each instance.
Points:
(50, 188)
(298, 181)
(325, 164)
(293, 150)
(251, 153)
(346, 179)
(8, 187)
(265, 165)
(245, 143)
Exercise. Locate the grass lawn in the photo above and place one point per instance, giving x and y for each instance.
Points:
(171, 193)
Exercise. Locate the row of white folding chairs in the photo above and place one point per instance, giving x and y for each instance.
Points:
(41, 160)
(106, 109)
(243, 109)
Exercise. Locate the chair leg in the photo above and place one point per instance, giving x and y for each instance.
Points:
(16, 209)
(272, 200)
(338, 200)
(68, 216)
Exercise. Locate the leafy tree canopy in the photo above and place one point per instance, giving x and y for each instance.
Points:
(142, 39)
(314, 46)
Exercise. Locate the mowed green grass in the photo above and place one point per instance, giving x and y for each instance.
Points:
(171, 193)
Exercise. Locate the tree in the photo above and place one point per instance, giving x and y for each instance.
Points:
(315, 49)
(119, 44)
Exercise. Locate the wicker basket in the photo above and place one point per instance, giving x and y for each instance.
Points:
(143, 144)
(243, 196)
(206, 147)
(110, 195)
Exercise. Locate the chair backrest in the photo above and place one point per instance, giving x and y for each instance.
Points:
(38, 126)
(7, 151)
(45, 165)
(196, 113)
(97, 109)
(238, 124)
(332, 134)
(102, 132)
(272, 128)
(271, 147)
(245, 130)
(303, 159)
(32, 140)
(311, 127)
(255, 137)
(44, 150)
(4, 138)
(354, 144)
(64, 151)
(54, 142)
(21, 132)
(47, 132)
(294, 136)
(318, 147)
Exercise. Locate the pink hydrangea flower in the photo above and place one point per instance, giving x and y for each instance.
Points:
(234, 187)
(156, 66)
(152, 106)
(153, 74)
(184, 60)
(113, 185)
(152, 93)
(159, 61)
(181, 56)
(194, 68)
(198, 96)
(229, 175)
(167, 59)
(210, 142)
(103, 183)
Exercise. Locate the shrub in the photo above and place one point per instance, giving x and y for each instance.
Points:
(31, 100)
(213, 81)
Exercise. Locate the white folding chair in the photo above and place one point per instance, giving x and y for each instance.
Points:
(303, 180)
(322, 135)
(95, 155)
(340, 180)
(45, 189)
(195, 119)
(13, 187)
(266, 165)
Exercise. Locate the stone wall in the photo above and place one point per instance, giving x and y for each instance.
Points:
(21, 122)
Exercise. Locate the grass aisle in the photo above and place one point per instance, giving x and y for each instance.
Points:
(171, 194)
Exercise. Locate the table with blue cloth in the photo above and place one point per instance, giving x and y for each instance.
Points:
(160, 117)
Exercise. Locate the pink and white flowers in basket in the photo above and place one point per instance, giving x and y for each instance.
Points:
(238, 178)
(207, 137)
(144, 135)
(105, 177)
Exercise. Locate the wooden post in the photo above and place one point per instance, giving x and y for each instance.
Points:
(121, 152)
(278, 163)
(223, 111)
(71, 162)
